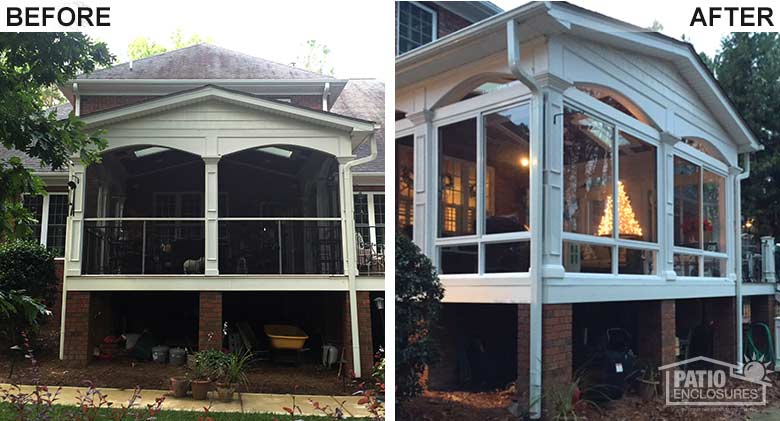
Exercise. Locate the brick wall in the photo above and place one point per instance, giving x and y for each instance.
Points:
(556, 345)
(210, 320)
(656, 331)
(721, 312)
(448, 22)
(762, 310)
(91, 104)
(77, 349)
(523, 349)
(364, 330)
(444, 374)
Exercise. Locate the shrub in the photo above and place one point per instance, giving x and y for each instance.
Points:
(28, 266)
(418, 295)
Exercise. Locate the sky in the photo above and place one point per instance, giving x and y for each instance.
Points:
(274, 30)
(675, 16)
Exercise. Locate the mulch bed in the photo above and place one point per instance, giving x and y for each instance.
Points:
(124, 373)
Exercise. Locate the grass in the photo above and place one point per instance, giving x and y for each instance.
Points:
(61, 411)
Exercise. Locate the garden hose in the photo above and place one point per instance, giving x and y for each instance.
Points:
(752, 351)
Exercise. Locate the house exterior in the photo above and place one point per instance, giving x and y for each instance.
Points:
(514, 136)
(234, 191)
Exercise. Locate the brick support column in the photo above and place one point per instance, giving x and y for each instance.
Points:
(762, 310)
(444, 374)
(364, 331)
(721, 312)
(210, 321)
(523, 346)
(556, 345)
(77, 338)
(656, 332)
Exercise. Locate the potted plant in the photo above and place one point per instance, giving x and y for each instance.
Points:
(179, 386)
(208, 364)
(647, 382)
(232, 373)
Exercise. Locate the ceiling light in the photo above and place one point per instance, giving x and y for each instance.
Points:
(149, 151)
(273, 150)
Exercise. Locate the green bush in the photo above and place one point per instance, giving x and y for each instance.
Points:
(28, 266)
(418, 295)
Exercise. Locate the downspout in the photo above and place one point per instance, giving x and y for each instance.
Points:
(326, 97)
(538, 101)
(348, 210)
(738, 255)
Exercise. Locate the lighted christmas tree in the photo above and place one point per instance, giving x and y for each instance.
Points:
(628, 223)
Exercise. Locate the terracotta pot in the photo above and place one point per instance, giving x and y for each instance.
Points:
(200, 389)
(225, 391)
(180, 386)
(647, 389)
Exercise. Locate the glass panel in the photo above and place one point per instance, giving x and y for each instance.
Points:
(714, 267)
(507, 169)
(637, 197)
(404, 185)
(686, 265)
(58, 215)
(507, 257)
(636, 262)
(587, 172)
(587, 258)
(687, 204)
(34, 205)
(714, 206)
(458, 259)
(458, 178)
(415, 26)
(379, 209)
(282, 247)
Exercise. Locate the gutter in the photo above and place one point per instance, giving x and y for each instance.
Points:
(738, 256)
(538, 102)
(348, 210)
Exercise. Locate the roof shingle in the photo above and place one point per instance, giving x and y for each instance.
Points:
(365, 99)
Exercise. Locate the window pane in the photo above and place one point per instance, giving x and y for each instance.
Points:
(404, 185)
(714, 204)
(714, 267)
(687, 204)
(362, 230)
(587, 258)
(685, 265)
(458, 259)
(379, 209)
(58, 215)
(637, 198)
(415, 26)
(506, 173)
(587, 172)
(34, 205)
(458, 178)
(636, 262)
(507, 257)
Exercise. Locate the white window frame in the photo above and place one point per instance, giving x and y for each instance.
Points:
(455, 113)
(372, 225)
(434, 25)
(44, 238)
(715, 166)
(621, 122)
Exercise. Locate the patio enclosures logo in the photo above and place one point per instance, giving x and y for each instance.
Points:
(703, 381)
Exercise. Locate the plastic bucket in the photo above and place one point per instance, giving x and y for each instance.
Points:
(160, 354)
(131, 339)
(178, 356)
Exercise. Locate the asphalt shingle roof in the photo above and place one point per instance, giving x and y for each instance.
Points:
(365, 99)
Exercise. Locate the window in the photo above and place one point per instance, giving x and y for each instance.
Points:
(370, 219)
(404, 186)
(699, 221)
(415, 26)
(610, 224)
(51, 212)
(484, 208)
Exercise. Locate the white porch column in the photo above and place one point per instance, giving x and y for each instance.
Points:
(75, 222)
(349, 253)
(211, 234)
(666, 216)
(425, 183)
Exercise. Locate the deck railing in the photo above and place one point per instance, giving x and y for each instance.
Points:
(370, 255)
(758, 259)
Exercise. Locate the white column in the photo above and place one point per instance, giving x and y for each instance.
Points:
(666, 216)
(350, 255)
(211, 193)
(425, 183)
(75, 224)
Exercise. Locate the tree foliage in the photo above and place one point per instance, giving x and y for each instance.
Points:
(418, 295)
(30, 63)
(315, 58)
(29, 266)
(748, 69)
(143, 47)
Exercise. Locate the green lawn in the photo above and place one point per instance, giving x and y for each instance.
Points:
(61, 411)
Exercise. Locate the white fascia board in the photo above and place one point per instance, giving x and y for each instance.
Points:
(359, 129)
(154, 87)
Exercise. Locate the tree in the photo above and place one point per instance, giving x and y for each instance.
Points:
(179, 41)
(418, 295)
(30, 63)
(748, 69)
(142, 47)
(656, 26)
(315, 58)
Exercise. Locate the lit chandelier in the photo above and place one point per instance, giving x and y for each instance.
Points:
(628, 223)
